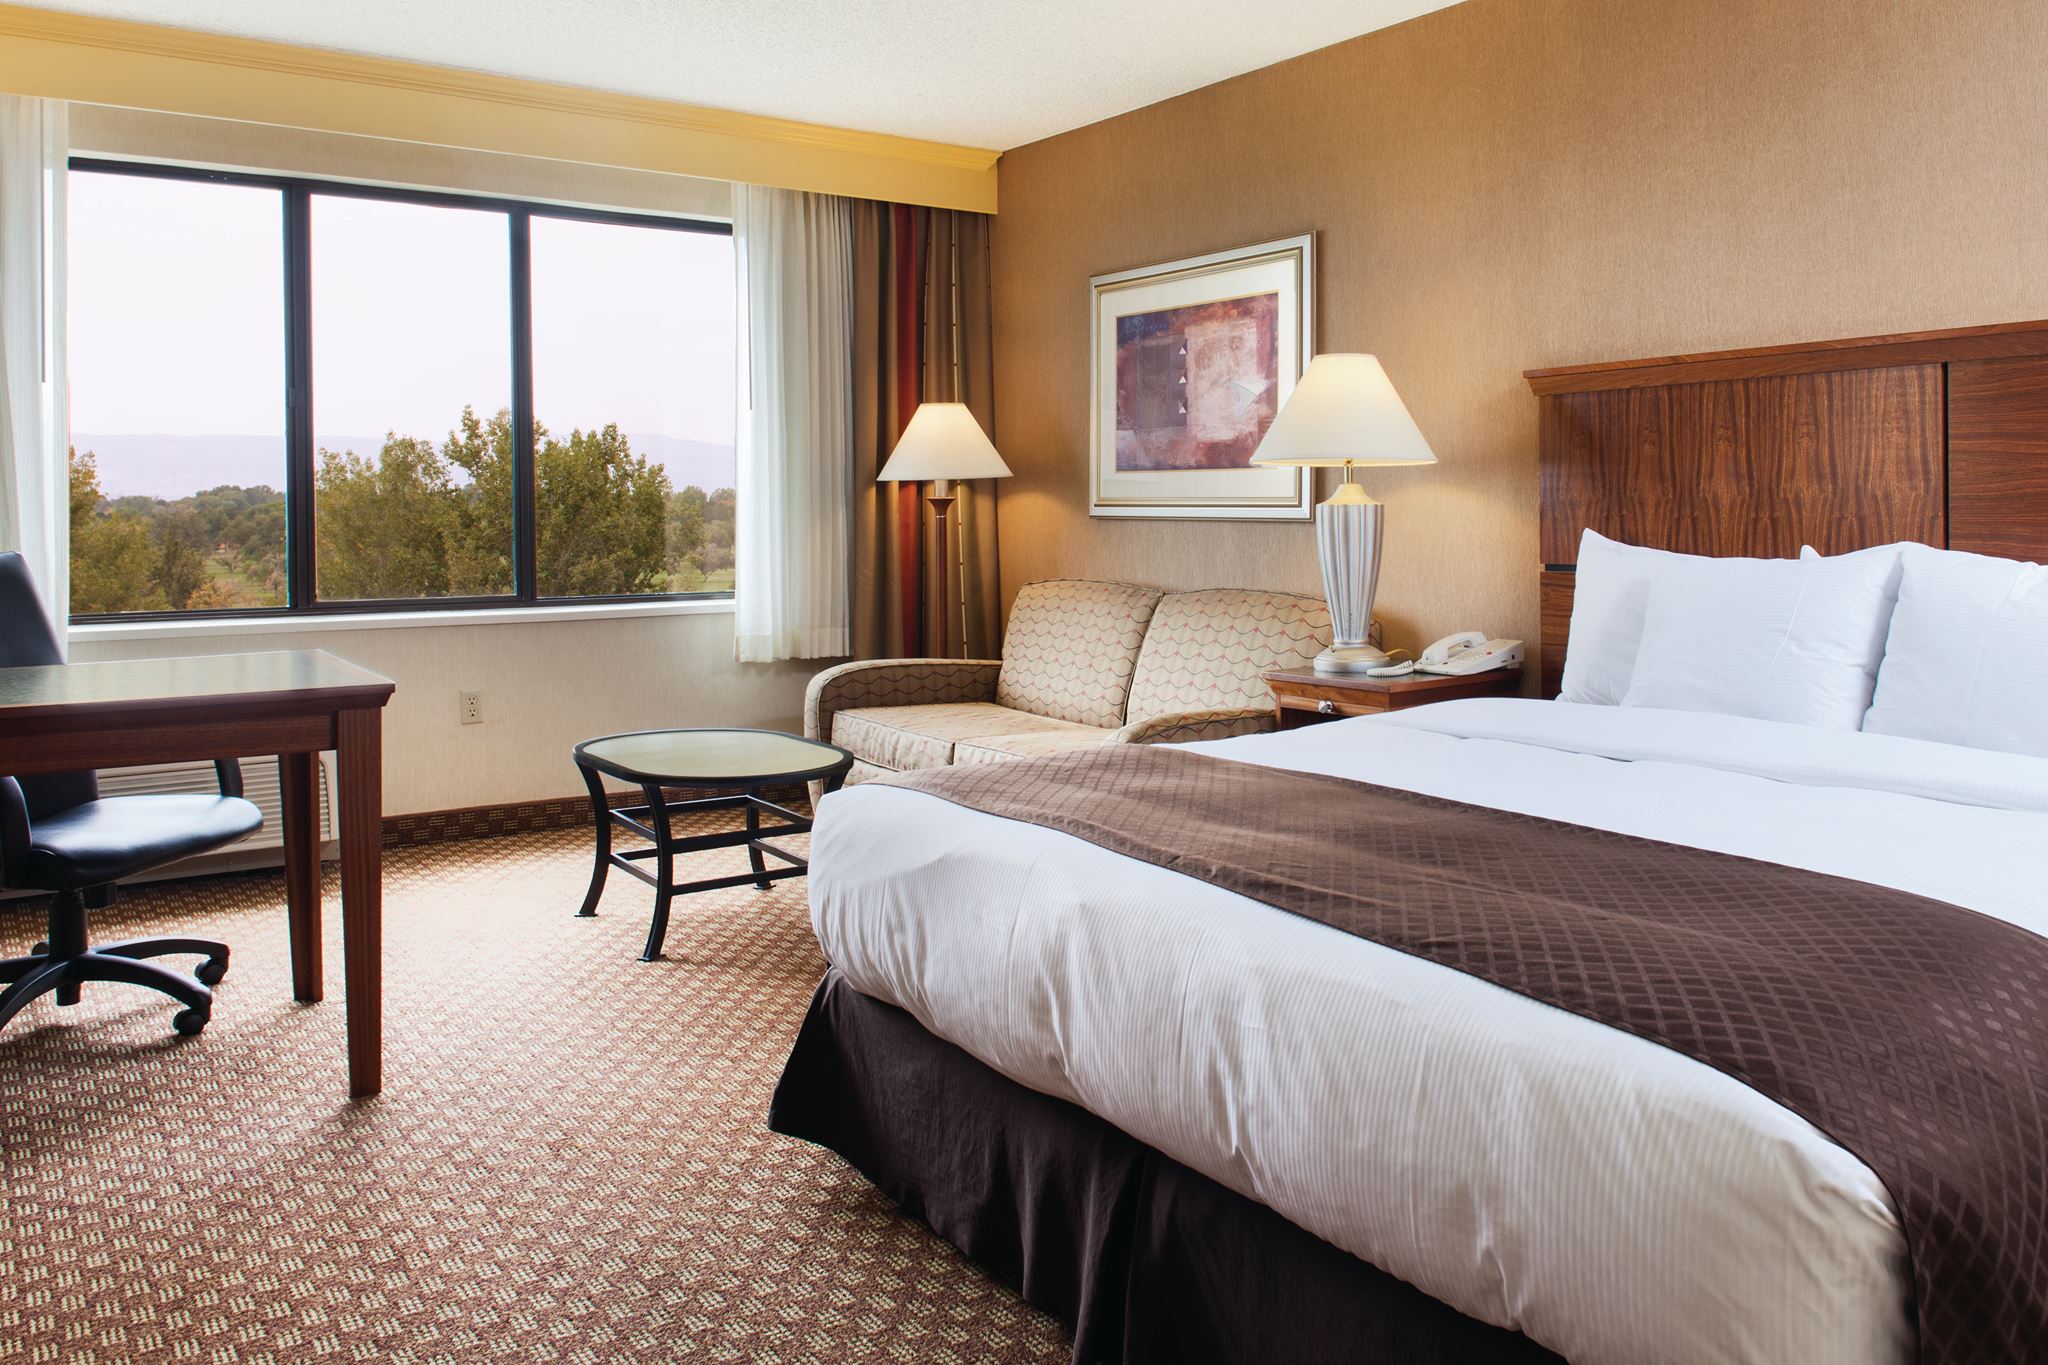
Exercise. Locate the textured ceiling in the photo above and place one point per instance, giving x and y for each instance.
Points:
(987, 73)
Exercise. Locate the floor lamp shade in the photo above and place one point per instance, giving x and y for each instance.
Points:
(941, 443)
(1344, 413)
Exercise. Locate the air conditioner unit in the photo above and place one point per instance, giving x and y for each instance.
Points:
(264, 848)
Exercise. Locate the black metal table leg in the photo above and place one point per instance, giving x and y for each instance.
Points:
(601, 811)
(665, 870)
(753, 842)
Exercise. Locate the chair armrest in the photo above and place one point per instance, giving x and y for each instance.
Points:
(14, 832)
(228, 772)
(895, 682)
(1184, 726)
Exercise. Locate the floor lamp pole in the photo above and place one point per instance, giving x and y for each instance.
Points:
(941, 498)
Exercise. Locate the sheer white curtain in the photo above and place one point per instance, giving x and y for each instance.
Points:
(791, 539)
(35, 479)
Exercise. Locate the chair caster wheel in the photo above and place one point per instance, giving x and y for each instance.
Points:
(42, 948)
(189, 1022)
(211, 971)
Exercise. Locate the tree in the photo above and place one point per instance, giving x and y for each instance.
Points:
(716, 558)
(111, 558)
(601, 516)
(381, 527)
(480, 530)
(685, 533)
(414, 520)
(181, 557)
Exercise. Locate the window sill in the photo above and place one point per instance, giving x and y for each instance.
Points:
(199, 628)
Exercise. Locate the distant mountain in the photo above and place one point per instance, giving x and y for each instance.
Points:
(166, 466)
(161, 466)
(688, 462)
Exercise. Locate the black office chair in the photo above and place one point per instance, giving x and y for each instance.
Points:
(57, 834)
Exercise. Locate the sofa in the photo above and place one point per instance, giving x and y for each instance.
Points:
(1084, 663)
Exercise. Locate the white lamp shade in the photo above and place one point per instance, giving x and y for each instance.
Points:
(1344, 411)
(943, 441)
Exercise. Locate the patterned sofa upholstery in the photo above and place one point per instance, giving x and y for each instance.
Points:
(1083, 663)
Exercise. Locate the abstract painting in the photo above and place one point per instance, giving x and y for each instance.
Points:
(1196, 387)
(1192, 361)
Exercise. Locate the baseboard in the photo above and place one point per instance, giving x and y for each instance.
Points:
(532, 817)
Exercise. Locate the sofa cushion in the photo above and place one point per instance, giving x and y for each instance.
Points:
(1070, 649)
(905, 738)
(1037, 744)
(864, 771)
(1205, 650)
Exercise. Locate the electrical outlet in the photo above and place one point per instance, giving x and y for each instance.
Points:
(472, 707)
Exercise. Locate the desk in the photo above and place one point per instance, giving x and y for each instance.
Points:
(293, 704)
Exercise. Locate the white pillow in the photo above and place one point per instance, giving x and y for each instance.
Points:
(1609, 594)
(1793, 640)
(1890, 554)
(1967, 658)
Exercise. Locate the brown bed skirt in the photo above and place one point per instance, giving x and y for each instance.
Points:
(1146, 1261)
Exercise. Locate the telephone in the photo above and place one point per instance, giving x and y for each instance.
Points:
(1467, 653)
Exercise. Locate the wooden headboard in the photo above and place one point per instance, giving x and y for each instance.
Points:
(1940, 437)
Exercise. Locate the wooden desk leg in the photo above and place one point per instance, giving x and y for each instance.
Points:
(299, 784)
(359, 746)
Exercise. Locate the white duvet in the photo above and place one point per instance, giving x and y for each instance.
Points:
(1614, 1200)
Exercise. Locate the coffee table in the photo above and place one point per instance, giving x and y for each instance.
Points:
(744, 760)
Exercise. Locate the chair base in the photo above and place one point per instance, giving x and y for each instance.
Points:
(63, 963)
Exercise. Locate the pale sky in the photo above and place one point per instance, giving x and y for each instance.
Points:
(176, 317)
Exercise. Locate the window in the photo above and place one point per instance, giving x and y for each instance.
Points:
(176, 319)
(410, 316)
(301, 397)
(633, 345)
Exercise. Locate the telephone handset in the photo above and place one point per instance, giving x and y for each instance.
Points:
(1469, 652)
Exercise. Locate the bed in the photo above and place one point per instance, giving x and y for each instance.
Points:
(1199, 1127)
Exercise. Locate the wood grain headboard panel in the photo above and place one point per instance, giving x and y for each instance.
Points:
(1998, 457)
(1939, 437)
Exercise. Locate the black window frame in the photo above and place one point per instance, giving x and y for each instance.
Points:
(301, 593)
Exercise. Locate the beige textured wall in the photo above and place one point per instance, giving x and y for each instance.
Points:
(1518, 183)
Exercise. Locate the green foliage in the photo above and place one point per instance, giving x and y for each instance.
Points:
(413, 521)
(600, 517)
(381, 526)
(111, 557)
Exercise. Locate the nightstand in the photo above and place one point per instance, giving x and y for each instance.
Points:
(1306, 698)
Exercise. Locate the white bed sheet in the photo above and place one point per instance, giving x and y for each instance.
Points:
(1616, 1201)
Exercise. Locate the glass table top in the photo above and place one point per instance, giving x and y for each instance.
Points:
(710, 755)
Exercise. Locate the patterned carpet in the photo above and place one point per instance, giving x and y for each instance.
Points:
(569, 1161)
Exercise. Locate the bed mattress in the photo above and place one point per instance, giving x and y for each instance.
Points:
(1531, 1168)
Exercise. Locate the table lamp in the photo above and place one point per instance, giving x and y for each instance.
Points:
(1344, 412)
(941, 443)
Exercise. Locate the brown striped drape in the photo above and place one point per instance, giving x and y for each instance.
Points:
(921, 334)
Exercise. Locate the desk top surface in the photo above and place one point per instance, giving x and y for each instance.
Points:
(309, 675)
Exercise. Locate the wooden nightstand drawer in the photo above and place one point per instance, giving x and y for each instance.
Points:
(1306, 698)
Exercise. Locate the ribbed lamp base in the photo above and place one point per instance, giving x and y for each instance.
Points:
(1348, 545)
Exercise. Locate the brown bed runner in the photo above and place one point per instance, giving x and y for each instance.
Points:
(1912, 1032)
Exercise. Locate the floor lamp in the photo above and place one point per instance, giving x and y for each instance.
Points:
(1343, 413)
(943, 443)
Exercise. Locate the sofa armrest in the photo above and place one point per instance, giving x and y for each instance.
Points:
(895, 682)
(1183, 726)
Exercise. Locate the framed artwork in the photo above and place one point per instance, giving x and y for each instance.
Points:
(1191, 361)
